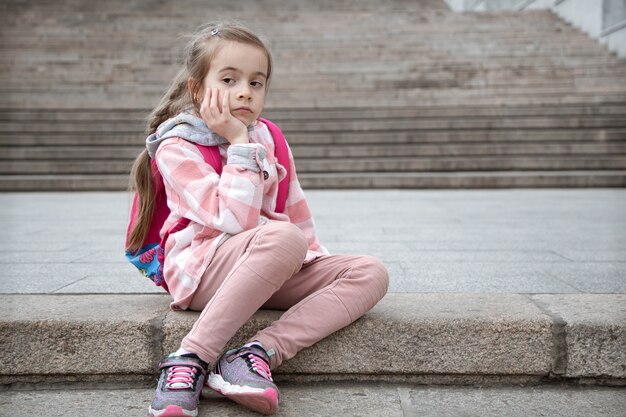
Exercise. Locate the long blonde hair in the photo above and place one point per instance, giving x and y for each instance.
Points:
(202, 48)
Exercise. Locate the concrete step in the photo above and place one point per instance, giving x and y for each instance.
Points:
(424, 52)
(358, 180)
(369, 164)
(464, 179)
(390, 42)
(122, 7)
(467, 78)
(139, 115)
(521, 95)
(600, 136)
(311, 119)
(95, 100)
(67, 182)
(348, 399)
(360, 124)
(431, 164)
(383, 150)
(412, 45)
(558, 59)
(458, 338)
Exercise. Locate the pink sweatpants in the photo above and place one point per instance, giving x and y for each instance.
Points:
(262, 268)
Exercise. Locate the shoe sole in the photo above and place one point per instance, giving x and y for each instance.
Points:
(257, 399)
(172, 411)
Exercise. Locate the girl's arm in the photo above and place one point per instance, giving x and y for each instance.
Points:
(297, 208)
(230, 203)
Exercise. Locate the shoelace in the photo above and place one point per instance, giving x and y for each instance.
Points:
(259, 366)
(180, 377)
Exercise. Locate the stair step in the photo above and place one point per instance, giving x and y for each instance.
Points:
(67, 100)
(601, 136)
(368, 399)
(140, 115)
(363, 125)
(413, 90)
(368, 180)
(464, 180)
(457, 335)
(78, 182)
(96, 153)
(324, 165)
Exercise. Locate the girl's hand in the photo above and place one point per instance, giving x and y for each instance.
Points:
(218, 118)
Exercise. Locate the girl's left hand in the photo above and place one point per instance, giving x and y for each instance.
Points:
(219, 118)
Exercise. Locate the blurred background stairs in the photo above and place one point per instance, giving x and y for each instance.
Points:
(400, 94)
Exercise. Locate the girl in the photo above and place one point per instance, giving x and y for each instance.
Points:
(238, 254)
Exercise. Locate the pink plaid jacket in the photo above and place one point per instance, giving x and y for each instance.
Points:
(219, 206)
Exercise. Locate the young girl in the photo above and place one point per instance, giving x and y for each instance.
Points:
(238, 254)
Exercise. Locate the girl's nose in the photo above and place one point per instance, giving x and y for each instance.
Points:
(244, 92)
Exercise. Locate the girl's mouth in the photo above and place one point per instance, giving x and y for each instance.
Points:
(243, 109)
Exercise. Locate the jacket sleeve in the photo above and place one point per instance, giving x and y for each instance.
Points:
(297, 208)
(231, 202)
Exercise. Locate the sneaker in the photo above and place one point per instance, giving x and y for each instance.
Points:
(244, 376)
(180, 383)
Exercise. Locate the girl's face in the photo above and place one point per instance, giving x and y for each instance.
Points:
(240, 69)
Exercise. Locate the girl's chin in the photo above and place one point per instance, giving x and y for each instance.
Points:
(248, 121)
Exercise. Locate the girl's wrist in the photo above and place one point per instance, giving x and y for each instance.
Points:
(240, 140)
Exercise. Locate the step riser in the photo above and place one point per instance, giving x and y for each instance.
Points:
(430, 97)
(599, 137)
(62, 153)
(416, 334)
(348, 165)
(473, 180)
(316, 126)
(139, 116)
(461, 181)
(296, 137)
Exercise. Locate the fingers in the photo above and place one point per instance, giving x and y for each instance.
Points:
(226, 103)
(207, 98)
(215, 96)
(205, 106)
(215, 112)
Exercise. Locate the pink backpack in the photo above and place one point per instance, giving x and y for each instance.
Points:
(150, 258)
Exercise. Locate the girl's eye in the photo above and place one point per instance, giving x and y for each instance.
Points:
(256, 84)
(228, 81)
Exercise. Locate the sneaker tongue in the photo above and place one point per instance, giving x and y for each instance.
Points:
(194, 356)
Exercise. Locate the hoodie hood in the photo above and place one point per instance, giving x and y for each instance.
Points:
(186, 126)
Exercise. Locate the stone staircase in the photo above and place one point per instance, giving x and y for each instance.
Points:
(405, 95)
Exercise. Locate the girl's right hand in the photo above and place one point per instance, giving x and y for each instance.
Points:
(219, 118)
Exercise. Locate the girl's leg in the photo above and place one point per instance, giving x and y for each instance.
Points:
(328, 294)
(246, 271)
(323, 297)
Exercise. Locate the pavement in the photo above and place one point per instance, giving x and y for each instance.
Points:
(349, 400)
(552, 241)
(501, 302)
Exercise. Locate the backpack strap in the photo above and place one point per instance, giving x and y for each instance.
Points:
(281, 152)
(211, 155)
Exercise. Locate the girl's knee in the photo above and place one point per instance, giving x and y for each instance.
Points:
(376, 273)
(287, 234)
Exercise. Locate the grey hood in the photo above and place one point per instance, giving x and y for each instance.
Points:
(187, 126)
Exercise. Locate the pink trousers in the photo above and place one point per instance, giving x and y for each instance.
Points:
(263, 268)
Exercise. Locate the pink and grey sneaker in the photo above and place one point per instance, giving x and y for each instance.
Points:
(244, 376)
(180, 383)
